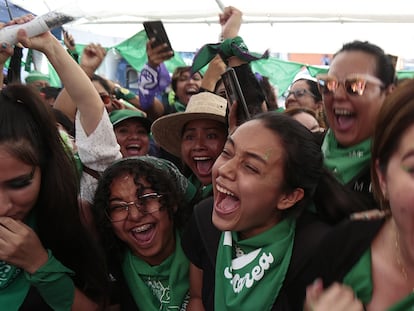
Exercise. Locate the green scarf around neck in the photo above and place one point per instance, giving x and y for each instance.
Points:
(163, 287)
(204, 191)
(251, 272)
(359, 278)
(345, 163)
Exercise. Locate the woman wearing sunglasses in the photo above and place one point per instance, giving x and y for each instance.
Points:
(375, 257)
(137, 206)
(360, 77)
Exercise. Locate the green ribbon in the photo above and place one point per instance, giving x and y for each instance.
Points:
(229, 47)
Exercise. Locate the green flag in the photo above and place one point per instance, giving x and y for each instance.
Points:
(134, 52)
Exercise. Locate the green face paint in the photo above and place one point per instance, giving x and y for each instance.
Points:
(406, 168)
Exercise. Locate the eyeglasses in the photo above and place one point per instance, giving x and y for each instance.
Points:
(354, 84)
(298, 93)
(106, 98)
(146, 204)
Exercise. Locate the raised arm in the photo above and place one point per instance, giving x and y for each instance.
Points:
(79, 92)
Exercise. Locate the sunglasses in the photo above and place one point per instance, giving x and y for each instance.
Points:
(298, 93)
(106, 98)
(354, 84)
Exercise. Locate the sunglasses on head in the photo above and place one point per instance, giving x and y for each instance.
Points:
(354, 84)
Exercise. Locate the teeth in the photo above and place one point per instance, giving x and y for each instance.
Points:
(134, 146)
(141, 228)
(343, 112)
(225, 191)
(201, 158)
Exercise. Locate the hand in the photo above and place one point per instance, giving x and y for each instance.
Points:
(157, 55)
(215, 69)
(232, 118)
(92, 57)
(336, 297)
(44, 42)
(6, 50)
(230, 21)
(20, 246)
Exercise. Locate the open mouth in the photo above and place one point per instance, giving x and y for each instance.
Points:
(226, 201)
(203, 165)
(133, 149)
(344, 118)
(144, 234)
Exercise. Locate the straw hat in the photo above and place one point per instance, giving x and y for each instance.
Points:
(167, 130)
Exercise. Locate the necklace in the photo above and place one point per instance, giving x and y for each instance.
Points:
(398, 256)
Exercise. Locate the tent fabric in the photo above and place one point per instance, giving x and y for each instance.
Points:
(8, 11)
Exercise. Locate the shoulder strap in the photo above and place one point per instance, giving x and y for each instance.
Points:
(93, 173)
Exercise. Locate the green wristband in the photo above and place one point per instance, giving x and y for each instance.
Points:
(54, 284)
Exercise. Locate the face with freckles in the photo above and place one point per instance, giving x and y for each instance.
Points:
(150, 237)
(397, 181)
(19, 186)
(248, 180)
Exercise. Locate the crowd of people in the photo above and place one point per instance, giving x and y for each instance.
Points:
(165, 200)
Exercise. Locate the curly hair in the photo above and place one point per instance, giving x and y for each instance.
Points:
(160, 181)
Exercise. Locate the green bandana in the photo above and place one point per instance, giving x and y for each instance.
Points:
(162, 287)
(359, 278)
(8, 273)
(250, 273)
(205, 191)
(345, 163)
(227, 48)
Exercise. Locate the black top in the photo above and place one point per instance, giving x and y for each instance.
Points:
(200, 242)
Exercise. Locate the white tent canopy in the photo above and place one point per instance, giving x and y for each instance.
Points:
(295, 26)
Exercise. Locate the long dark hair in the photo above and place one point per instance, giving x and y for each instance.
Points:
(303, 168)
(29, 133)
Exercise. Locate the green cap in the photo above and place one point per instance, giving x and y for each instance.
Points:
(36, 76)
(120, 115)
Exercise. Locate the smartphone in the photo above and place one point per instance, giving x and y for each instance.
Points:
(155, 29)
(235, 93)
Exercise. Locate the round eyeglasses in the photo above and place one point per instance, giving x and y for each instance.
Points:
(146, 204)
(298, 93)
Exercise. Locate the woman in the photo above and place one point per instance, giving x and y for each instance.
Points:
(359, 79)
(184, 84)
(264, 187)
(47, 258)
(304, 92)
(377, 254)
(137, 207)
(196, 135)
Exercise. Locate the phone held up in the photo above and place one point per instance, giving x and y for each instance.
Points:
(235, 94)
(156, 30)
